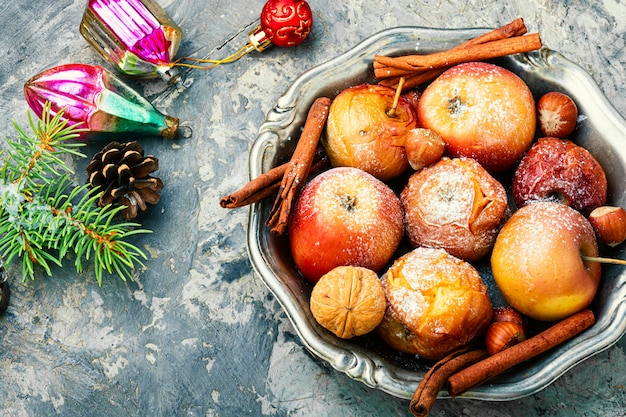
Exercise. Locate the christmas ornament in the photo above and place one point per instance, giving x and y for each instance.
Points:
(141, 40)
(122, 173)
(101, 102)
(286, 22)
(137, 36)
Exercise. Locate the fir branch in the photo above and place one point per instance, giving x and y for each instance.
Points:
(44, 216)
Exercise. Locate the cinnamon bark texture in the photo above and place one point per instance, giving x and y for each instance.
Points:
(299, 166)
(418, 69)
(493, 365)
(268, 183)
(426, 393)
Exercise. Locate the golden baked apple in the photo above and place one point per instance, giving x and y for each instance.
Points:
(362, 132)
(436, 303)
(537, 261)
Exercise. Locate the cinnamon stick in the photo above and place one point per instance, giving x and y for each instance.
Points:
(267, 183)
(390, 75)
(427, 391)
(298, 167)
(493, 365)
(478, 52)
(512, 29)
(515, 28)
(413, 80)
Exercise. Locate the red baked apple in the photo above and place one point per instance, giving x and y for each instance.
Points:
(344, 216)
(482, 111)
(362, 130)
(559, 170)
(537, 261)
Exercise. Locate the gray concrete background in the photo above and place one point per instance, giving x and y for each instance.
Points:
(197, 333)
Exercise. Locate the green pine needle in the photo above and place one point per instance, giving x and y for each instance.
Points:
(44, 216)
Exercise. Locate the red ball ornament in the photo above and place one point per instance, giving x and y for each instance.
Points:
(286, 22)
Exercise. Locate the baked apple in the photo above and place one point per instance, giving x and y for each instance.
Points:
(362, 133)
(482, 111)
(344, 216)
(537, 261)
(456, 205)
(559, 170)
(436, 303)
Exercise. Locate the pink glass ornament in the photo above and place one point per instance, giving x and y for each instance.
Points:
(137, 36)
(99, 101)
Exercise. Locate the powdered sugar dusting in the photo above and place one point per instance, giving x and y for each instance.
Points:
(455, 205)
(357, 218)
(483, 111)
(437, 295)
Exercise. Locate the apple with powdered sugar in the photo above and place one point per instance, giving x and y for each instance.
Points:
(456, 205)
(366, 130)
(482, 111)
(540, 261)
(344, 216)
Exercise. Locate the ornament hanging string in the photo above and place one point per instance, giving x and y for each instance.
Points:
(141, 39)
(250, 46)
(283, 23)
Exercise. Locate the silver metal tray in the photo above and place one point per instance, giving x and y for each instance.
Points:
(601, 129)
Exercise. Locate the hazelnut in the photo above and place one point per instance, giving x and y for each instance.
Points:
(502, 335)
(610, 224)
(507, 313)
(557, 114)
(423, 147)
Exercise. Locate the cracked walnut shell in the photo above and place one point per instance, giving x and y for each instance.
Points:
(349, 301)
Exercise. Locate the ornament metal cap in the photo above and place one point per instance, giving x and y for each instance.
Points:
(259, 40)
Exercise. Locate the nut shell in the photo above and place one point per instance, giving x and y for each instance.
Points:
(508, 314)
(502, 335)
(349, 301)
(557, 114)
(423, 147)
(609, 222)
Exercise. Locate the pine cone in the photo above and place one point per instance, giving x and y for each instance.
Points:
(122, 172)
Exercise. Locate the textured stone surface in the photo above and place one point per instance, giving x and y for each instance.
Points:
(197, 333)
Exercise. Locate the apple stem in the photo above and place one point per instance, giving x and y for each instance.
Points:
(392, 110)
(604, 260)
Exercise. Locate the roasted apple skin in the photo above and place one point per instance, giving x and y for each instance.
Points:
(437, 303)
(344, 216)
(361, 133)
(454, 204)
(559, 170)
(482, 111)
